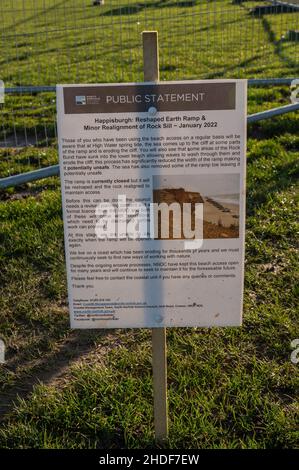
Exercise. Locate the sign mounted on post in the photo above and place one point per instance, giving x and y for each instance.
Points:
(153, 190)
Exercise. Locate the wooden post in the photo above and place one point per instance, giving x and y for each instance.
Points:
(151, 74)
(160, 384)
(150, 56)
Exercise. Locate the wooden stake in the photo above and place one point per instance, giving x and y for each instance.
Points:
(151, 74)
(150, 56)
(160, 384)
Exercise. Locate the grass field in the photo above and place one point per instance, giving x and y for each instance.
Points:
(44, 42)
(228, 388)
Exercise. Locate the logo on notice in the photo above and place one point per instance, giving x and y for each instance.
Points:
(80, 100)
(87, 100)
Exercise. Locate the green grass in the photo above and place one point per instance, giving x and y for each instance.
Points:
(50, 42)
(70, 41)
(228, 388)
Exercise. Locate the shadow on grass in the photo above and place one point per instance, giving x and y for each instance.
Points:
(277, 45)
(50, 366)
(224, 71)
(274, 127)
(26, 135)
(27, 55)
(42, 13)
(138, 7)
(24, 191)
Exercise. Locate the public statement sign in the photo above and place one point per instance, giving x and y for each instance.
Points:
(153, 191)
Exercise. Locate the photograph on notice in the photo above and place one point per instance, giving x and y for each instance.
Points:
(219, 194)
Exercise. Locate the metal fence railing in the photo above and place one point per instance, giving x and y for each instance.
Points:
(45, 42)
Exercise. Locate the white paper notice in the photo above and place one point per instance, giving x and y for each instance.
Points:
(153, 192)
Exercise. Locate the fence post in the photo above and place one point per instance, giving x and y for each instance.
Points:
(159, 359)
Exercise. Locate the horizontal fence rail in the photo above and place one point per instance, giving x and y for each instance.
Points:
(52, 89)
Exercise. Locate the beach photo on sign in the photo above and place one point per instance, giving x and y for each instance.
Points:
(218, 193)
